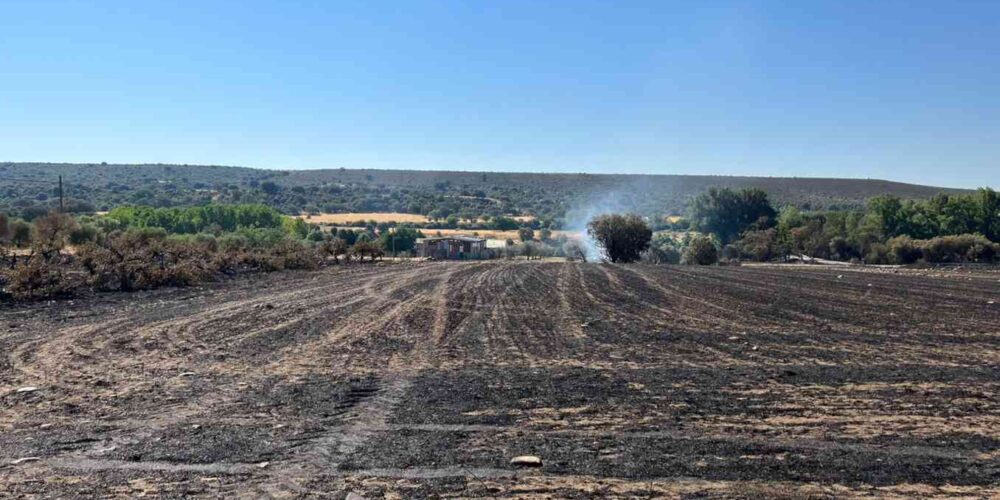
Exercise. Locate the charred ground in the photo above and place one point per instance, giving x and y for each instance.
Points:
(423, 380)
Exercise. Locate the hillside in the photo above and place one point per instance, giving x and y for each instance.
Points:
(30, 188)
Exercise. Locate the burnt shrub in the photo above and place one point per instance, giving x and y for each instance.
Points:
(39, 277)
(143, 259)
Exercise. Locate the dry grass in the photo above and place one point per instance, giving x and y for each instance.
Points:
(491, 234)
(326, 218)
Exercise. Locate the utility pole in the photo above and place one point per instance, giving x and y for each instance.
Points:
(60, 195)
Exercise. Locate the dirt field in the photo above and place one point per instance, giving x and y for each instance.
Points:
(423, 380)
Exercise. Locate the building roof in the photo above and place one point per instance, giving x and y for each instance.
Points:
(455, 238)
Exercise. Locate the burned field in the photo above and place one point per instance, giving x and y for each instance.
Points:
(423, 380)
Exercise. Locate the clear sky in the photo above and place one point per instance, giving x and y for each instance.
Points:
(905, 90)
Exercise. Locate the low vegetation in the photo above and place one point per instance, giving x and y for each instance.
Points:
(138, 248)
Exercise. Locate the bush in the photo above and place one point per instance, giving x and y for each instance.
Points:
(760, 246)
(943, 249)
(144, 259)
(83, 234)
(700, 251)
(50, 233)
(960, 248)
(622, 237)
(878, 253)
(904, 250)
(730, 253)
(38, 277)
(842, 249)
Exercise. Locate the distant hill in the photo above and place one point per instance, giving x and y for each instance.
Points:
(27, 188)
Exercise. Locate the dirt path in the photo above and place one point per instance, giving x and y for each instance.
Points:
(423, 380)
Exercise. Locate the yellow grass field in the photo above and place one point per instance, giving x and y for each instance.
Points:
(365, 216)
(325, 218)
(492, 235)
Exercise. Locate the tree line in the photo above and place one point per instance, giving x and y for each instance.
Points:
(743, 224)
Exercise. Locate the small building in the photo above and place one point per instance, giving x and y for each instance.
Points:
(452, 247)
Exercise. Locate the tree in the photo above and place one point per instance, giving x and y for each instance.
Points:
(525, 234)
(366, 247)
(623, 238)
(700, 251)
(503, 224)
(663, 249)
(727, 213)
(349, 236)
(20, 233)
(270, 188)
(5, 231)
(401, 239)
(50, 233)
(336, 247)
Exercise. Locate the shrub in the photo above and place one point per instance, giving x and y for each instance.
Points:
(38, 277)
(904, 250)
(144, 259)
(878, 253)
(730, 253)
(50, 233)
(959, 248)
(83, 234)
(663, 249)
(700, 251)
(842, 249)
(760, 246)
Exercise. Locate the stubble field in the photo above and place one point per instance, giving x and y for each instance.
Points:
(424, 379)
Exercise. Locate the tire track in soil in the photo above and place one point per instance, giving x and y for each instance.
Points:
(359, 403)
(480, 316)
(367, 410)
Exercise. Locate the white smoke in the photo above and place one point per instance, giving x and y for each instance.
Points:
(614, 201)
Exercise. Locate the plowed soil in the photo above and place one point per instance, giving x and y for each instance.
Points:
(423, 380)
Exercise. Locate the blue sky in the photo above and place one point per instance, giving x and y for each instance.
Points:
(906, 90)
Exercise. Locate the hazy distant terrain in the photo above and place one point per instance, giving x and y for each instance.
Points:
(32, 187)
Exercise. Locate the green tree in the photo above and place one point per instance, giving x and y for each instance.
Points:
(400, 239)
(727, 213)
(525, 234)
(622, 238)
(503, 224)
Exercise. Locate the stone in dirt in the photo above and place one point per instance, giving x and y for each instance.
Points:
(24, 460)
(526, 461)
(28, 389)
(354, 496)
